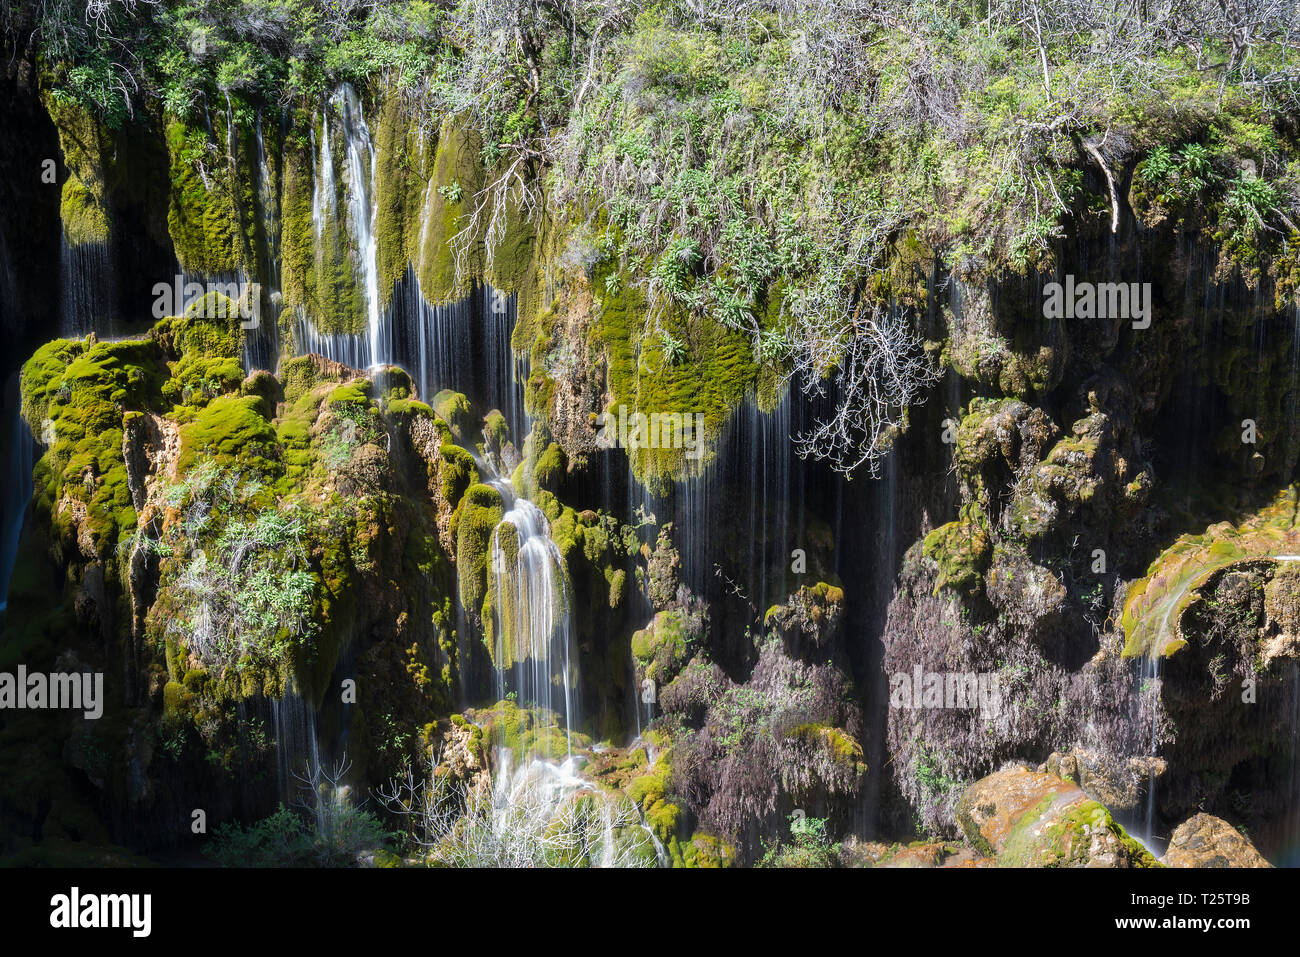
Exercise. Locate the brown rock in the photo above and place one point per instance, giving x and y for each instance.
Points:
(1030, 818)
(1204, 840)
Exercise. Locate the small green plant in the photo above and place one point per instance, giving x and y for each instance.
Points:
(809, 845)
(673, 349)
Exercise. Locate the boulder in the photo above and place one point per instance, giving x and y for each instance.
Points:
(1028, 818)
(1204, 840)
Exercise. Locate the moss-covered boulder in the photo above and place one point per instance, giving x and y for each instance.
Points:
(962, 550)
(1028, 819)
(1155, 605)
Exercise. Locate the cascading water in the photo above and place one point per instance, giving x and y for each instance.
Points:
(17, 492)
(754, 457)
(359, 182)
(1149, 708)
(87, 293)
(530, 600)
(262, 345)
(506, 373)
(735, 511)
(536, 793)
(356, 241)
(297, 749)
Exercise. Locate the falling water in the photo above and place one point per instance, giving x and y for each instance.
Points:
(506, 373)
(1150, 676)
(87, 294)
(359, 182)
(357, 217)
(18, 447)
(531, 605)
(752, 476)
(351, 351)
(297, 751)
(262, 345)
(269, 200)
(531, 798)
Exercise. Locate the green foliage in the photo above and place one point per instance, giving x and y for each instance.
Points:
(287, 838)
(239, 579)
(809, 846)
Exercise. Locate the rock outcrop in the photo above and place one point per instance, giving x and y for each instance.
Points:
(1027, 818)
(1208, 841)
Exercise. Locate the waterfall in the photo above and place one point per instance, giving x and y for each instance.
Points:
(262, 344)
(751, 480)
(297, 750)
(18, 447)
(506, 373)
(351, 351)
(322, 197)
(87, 292)
(269, 199)
(1149, 700)
(535, 792)
(535, 812)
(359, 182)
(358, 211)
(531, 602)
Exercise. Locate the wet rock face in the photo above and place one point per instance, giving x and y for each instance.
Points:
(1119, 784)
(1032, 819)
(1208, 841)
(1043, 698)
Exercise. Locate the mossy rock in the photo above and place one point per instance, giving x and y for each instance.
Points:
(453, 408)
(962, 549)
(665, 646)
(719, 372)
(1155, 603)
(477, 515)
(233, 430)
(77, 395)
(83, 204)
(1033, 819)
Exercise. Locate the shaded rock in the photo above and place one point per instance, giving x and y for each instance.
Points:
(1119, 784)
(813, 615)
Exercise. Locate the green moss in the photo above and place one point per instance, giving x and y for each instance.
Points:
(1066, 839)
(838, 746)
(478, 513)
(233, 430)
(665, 646)
(354, 393)
(496, 433)
(298, 376)
(718, 371)
(962, 549)
(453, 408)
(456, 176)
(458, 472)
(77, 395)
(406, 408)
(1154, 605)
(204, 219)
(83, 206)
(550, 467)
(528, 732)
